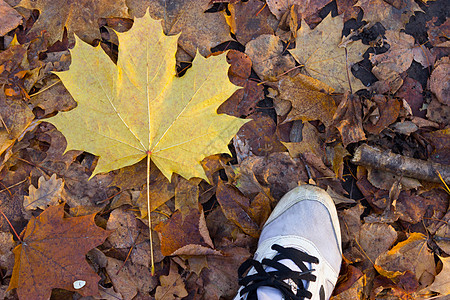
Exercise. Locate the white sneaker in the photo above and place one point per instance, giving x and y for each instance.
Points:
(299, 251)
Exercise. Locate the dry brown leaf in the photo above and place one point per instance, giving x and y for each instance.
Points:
(172, 286)
(40, 265)
(355, 292)
(185, 235)
(6, 247)
(441, 282)
(48, 193)
(390, 17)
(400, 55)
(308, 11)
(376, 238)
(128, 279)
(199, 30)
(439, 84)
(435, 33)
(55, 98)
(79, 16)
(320, 52)
(248, 20)
(348, 120)
(9, 18)
(410, 255)
(236, 207)
(257, 137)
(311, 99)
(311, 142)
(388, 110)
(269, 57)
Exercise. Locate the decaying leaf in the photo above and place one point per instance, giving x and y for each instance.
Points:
(248, 20)
(172, 286)
(438, 85)
(410, 255)
(40, 265)
(441, 282)
(319, 51)
(391, 17)
(400, 55)
(9, 18)
(310, 98)
(80, 17)
(268, 56)
(236, 207)
(308, 11)
(348, 120)
(143, 107)
(48, 193)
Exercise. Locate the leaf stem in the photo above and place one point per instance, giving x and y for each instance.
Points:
(10, 225)
(149, 218)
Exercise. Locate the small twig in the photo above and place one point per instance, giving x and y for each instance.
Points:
(46, 88)
(265, 3)
(10, 225)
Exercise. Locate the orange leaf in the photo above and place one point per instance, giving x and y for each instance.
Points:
(52, 255)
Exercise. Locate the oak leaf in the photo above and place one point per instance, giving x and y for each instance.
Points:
(441, 282)
(47, 193)
(78, 16)
(52, 255)
(319, 51)
(139, 107)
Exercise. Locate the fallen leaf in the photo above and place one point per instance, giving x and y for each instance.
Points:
(438, 85)
(388, 108)
(128, 279)
(411, 92)
(389, 16)
(410, 255)
(6, 247)
(307, 11)
(199, 30)
(355, 292)
(172, 286)
(236, 207)
(9, 18)
(79, 17)
(269, 57)
(145, 108)
(185, 235)
(257, 137)
(348, 120)
(311, 99)
(348, 9)
(435, 33)
(375, 239)
(40, 265)
(400, 55)
(441, 282)
(47, 194)
(248, 20)
(220, 278)
(318, 51)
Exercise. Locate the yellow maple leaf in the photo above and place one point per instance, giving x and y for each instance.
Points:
(140, 106)
(319, 51)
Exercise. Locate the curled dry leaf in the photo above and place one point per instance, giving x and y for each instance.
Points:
(48, 193)
(389, 109)
(40, 265)
(441, 282)
(318, 50)
(236, 207)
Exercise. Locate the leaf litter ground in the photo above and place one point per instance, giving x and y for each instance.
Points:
(298, 118)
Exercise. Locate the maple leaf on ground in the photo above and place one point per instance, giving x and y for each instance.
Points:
(308, 10)
(391, 17)
(78, 16)
(52, 255)
(140, 107)
(322, 57)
